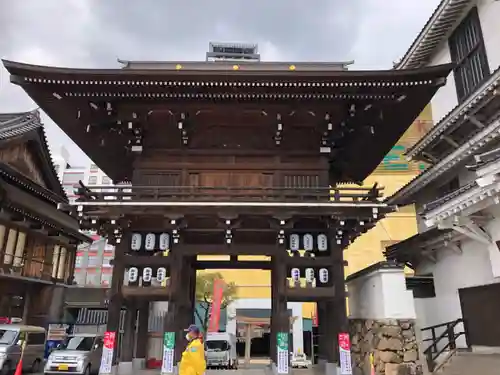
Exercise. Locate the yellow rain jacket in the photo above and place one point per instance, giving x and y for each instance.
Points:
(193, 359)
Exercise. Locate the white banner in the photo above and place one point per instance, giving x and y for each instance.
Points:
(107, 353)
(283, 355)
(345, 354)
(167, 365)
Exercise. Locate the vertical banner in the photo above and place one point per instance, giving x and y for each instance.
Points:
(213, 325)
(167, 365)
(107, 353)
(345, 354)
(314, 317)
(282, 352)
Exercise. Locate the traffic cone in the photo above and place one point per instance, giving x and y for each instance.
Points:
(19, 367)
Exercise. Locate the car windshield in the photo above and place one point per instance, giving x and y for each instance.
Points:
(7, 336)
(79, 343)
(217, 345)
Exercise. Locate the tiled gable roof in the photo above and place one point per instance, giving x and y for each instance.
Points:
(14, 125)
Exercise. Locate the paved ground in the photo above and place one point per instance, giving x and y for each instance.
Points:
(472, 364)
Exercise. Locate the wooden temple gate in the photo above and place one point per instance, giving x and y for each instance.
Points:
(224, 159)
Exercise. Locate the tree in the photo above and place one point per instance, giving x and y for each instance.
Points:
(205, 295)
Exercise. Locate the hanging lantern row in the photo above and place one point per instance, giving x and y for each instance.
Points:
(147, 274)
(308, 242)
(150, 241)
(323, 275)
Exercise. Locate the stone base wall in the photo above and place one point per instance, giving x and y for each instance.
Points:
(390, 344)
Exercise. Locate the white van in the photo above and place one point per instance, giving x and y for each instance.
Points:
(12, 337)
(220, 350)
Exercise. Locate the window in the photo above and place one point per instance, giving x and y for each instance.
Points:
(79, 260)
(106, 180)
(469, 54)
(93, 168)
(93, 180)
(94, 260)
(36, 338)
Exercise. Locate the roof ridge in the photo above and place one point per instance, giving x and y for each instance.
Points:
(447, 12)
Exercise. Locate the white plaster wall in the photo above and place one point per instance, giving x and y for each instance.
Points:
(265, 303)
(493, 229)
(446, 97)
(489, 14)
(381, 294)
(451, 272)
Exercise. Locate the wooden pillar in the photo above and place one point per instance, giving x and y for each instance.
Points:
(175, 318)
(336, 307)
(116, 296)
(322, 330)
(142, 331)
(127, 350)
(280, 320)
(192, 288)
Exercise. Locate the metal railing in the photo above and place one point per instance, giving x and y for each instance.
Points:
(206, 193)
(447, 340)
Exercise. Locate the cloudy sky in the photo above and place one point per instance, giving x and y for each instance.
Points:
(94, 33)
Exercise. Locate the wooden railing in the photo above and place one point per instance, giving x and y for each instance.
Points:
(198, 193)
(445, 341)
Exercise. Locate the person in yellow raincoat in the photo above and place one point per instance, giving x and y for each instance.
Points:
(193, 358)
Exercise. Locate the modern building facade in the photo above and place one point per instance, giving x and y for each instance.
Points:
(457, 196)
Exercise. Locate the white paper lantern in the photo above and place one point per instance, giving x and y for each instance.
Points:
(294, 242)
(309, 275)
(135, 243)
(150, 241)
(308, 242)
(133, 273)
(295, 274)
(161, 273)
(164, 241)
(323, 275)
(322, 242)
(147, 274)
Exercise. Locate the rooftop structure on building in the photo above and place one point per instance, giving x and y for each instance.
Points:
(457, 196)
(233, 52)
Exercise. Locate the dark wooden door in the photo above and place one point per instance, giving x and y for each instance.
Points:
(481, 312)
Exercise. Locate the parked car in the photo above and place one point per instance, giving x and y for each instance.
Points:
(300, 361)
(79, 354)
(12, 338)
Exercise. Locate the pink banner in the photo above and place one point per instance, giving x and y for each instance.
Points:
(213, 325)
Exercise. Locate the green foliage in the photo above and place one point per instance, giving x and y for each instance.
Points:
(205, 294)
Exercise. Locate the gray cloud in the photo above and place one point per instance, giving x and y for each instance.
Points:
(93, 33)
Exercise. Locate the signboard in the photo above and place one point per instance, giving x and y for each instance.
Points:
(282, 352)
(167, 365)
(345, 354)
(218, 292)
(107, 353)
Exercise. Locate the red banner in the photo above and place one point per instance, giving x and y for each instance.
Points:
(315, 317)
(213, 325)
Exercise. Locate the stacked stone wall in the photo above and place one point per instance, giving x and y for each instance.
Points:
(389, 347)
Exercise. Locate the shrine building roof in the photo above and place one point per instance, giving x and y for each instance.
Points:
(358, 115)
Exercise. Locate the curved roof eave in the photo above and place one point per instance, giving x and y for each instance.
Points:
(14, 67)
(437, 27)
